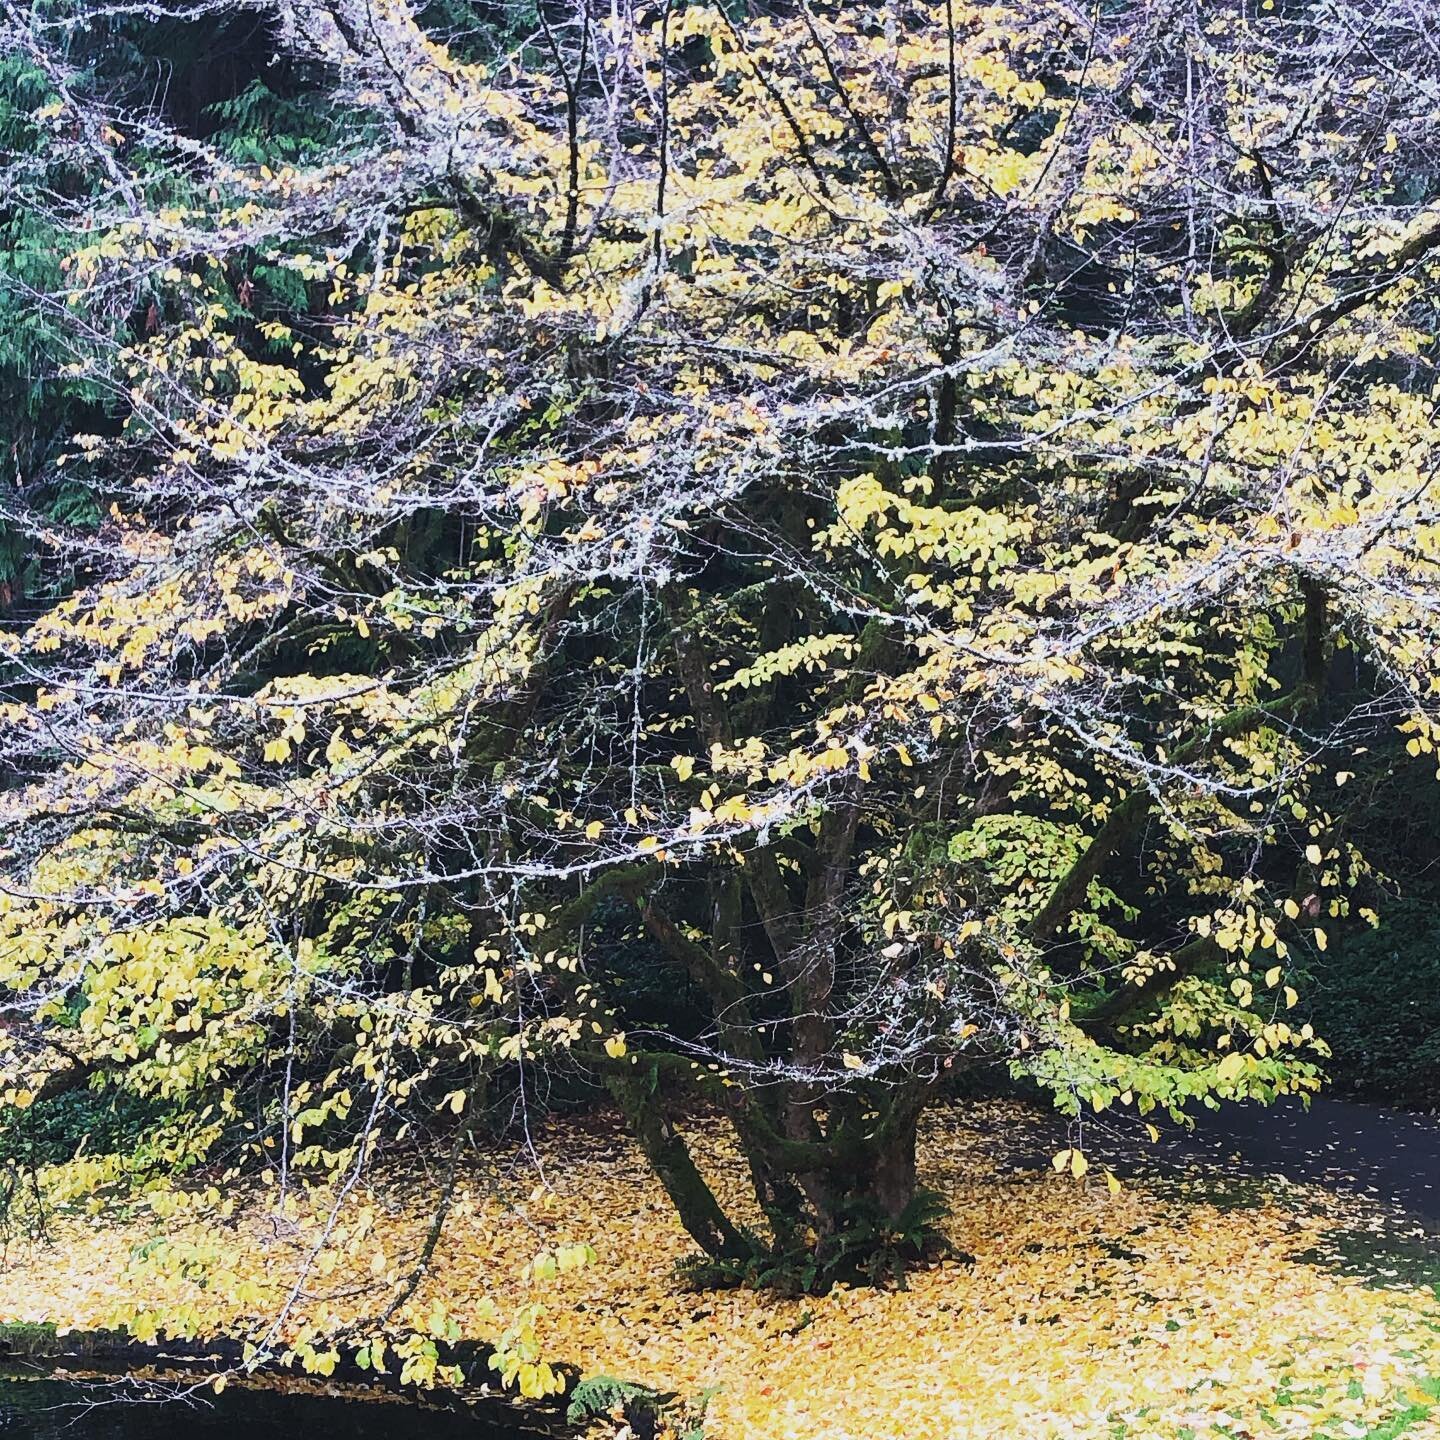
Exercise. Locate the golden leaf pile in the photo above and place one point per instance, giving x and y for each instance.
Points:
(1085, 1313)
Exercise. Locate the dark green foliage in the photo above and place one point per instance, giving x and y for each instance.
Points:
(209, 80)
(55, 1130)
(867, 1247)
(602, 1394)
(647, 1412)
(40, 406)
(1377, 1003)
(20, 1337)
(643, 985)
(483, 30)
(260, 127)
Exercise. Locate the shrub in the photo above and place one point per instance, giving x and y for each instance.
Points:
(1378, 1005)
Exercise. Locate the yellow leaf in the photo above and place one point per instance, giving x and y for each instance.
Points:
(1078, 1164)
(1321, 940)
(1312, 854)
(683, 766)
(615, 1046)
(853, 1062)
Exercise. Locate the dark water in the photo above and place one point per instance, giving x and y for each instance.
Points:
(51, 1410)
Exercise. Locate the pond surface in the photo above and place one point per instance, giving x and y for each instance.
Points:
(64, 1410)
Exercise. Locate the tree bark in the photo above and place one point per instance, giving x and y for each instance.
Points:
(889, 1179)
(669, 1156)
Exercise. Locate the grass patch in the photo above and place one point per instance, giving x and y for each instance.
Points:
(1376, 1259)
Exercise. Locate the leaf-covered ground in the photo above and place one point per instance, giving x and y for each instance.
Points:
(1084, 1313)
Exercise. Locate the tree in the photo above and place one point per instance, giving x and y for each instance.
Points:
(863, 502)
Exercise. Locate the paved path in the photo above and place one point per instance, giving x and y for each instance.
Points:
(1389, 1155)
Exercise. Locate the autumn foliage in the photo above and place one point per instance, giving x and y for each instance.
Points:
(782, 555)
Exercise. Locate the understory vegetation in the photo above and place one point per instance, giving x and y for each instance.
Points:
(1381, 1000)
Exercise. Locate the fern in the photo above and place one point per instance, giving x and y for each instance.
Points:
(601, 1394)
(867, 1246)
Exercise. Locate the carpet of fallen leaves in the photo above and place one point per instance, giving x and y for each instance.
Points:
(1154, 1312)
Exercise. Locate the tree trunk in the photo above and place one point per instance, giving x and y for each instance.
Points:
(878, 1175)
(874, 1173)
(669, 1156)
(779, 1198)
(891, 1179)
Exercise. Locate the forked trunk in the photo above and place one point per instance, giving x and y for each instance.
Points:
(831, 1203)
